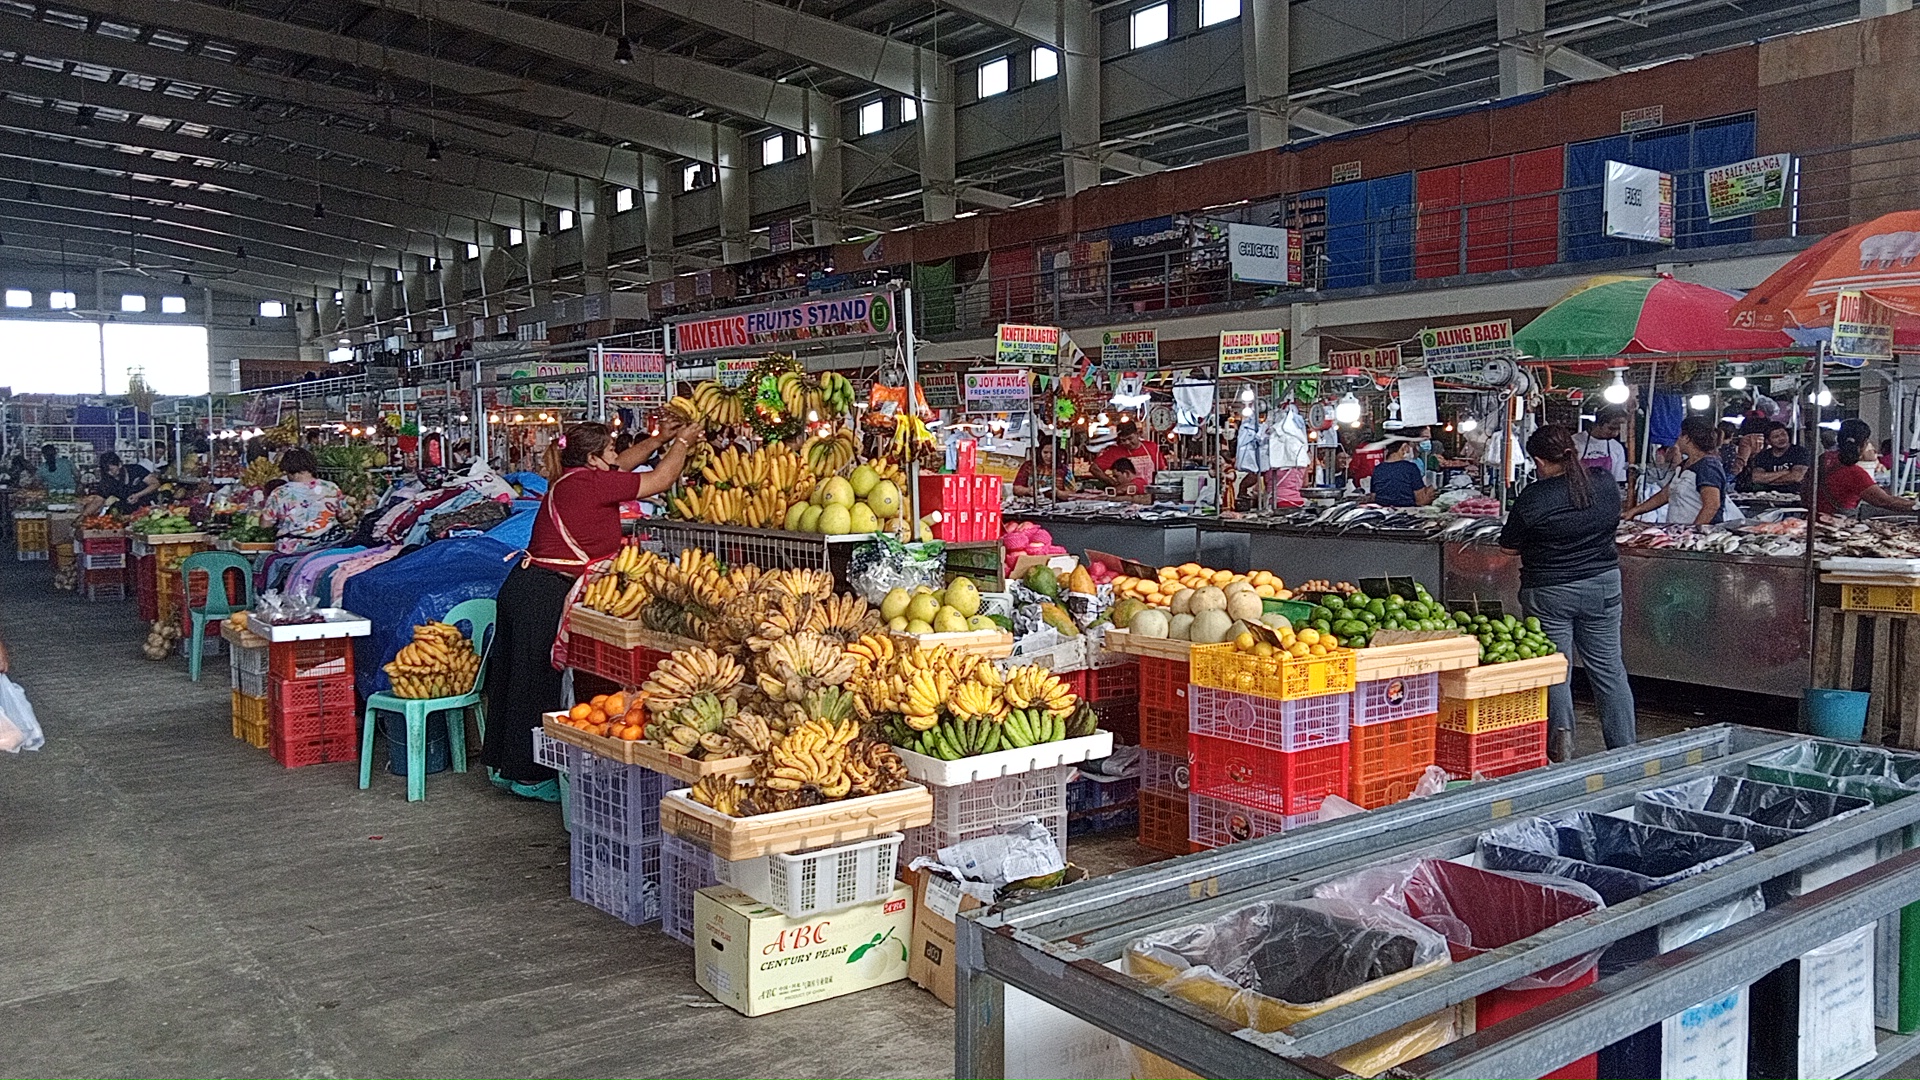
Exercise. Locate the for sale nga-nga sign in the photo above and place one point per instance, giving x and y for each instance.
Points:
(1747, 187)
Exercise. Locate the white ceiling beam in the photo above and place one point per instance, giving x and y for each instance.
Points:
(1577, 66)
(1318, 122)
(1035, 20)
(47, 254)
(884, 62)
(163, 254)
(1129, 164)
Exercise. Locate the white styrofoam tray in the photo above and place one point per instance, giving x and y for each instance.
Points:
(337, 622)
(941, 773)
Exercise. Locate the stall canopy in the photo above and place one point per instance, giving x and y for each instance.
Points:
(1626, 317)
(1880, 259)
(419, 587)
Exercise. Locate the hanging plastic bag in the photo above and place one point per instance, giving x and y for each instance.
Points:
(18, 728)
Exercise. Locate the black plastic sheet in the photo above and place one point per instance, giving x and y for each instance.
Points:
(1865, 772)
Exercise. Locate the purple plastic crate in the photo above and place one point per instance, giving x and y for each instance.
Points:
(1168, 774)
(1300, 724)
(1216, 823)
(618, 878)
(615, 800)
(685, 868)
(1383, 701)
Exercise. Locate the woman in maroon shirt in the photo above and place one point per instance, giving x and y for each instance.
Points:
(578, 524)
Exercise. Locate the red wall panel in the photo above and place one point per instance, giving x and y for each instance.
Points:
(1436, 233)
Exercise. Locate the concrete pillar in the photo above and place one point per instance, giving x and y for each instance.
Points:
(1303, 336)
(595, 241)
(1079, 95)
(656, 202)
(1873, 9)
(1523, 62)
(1265, 50)
(736, 214)
(936, 142)
(826, 179)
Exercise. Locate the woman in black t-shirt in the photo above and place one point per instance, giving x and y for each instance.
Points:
(1562, 528)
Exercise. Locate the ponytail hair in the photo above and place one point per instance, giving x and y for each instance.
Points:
(1853, 433)
(1551, 442)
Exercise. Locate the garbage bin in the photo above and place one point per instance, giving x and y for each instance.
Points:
(1480, 910)
(1275, 963)
(438, 753)
(1762, 814)
(1865, 772)
(1621, 859)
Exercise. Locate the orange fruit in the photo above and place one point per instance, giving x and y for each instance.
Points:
(596, 717)
(630, 733)
(579, 712)
(615, 703)
(597, 701)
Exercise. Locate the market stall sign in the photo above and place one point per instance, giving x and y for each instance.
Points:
(735, 370)
(1130, 350)
(1015, 343)
(998, 391)
(639, 377)
(1250, 352)
(574, 390)
(1385, 359)
(1264, 255)
(1639, 204)
(1463, 351)
(1747, 187)
(941, 389)
(847, 316)
(1862, 327)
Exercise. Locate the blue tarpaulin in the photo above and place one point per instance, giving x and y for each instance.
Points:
(416, 588)
(516, 531)
(530, 482)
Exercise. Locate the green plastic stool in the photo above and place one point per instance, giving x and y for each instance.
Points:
(479, 616)
(215, 565)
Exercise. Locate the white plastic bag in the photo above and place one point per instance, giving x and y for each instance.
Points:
(18, 728)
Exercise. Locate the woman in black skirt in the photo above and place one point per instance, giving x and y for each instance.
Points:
(578, 525)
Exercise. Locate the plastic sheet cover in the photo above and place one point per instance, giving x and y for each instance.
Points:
(1477, 910)
(1864, 772)
(1275, 963)
(1738, 808)
(1618, 859)
(419, 587)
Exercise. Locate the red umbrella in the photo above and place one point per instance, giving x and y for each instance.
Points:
(1880, 259)
(1637, 316)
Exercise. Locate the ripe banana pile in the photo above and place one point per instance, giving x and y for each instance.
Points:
(826, 455)
(711, 405)
(621, 592)
(953, 705)
(753, 489)
(702, 728)
(438, 662)
(688, 673)
(818, 761)
(690, 593)
(799, 664)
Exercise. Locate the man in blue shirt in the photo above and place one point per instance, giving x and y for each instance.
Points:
(1399, 480)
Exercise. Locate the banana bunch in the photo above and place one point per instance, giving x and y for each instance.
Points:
(688, 673)
(1034, 687)
(798, 664)
(438, 662)
(831, 704)
(751, 731)
(723, 793)
(701, 728)
(754, 489)
(974, 700)
(874, 768)
(910, 436)
(797, 398)
(952, 740)
(711, 404)
(926, 695)
(621, 592)
(828, 454)
(836, 392)
(844, 619)
(872, 652)
(812, 755)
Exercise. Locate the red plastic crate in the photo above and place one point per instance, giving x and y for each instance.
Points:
(1387, 759)
(627, 667)
(1163, 705)
(1286, 782)
(192, 592)
(319, 658)
(103, 545)
(312, 721)
(140, 568)
(1163, 823)
(1381, 700)
(1213, 822)
(1114, 681)
(1491, 753)
(1122, 717)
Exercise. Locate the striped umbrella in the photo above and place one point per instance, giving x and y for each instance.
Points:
(1614, 317)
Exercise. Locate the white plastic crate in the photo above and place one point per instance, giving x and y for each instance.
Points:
(810, 882)
(248, 667)
(1301, 724)
(549, 751)
(1216, 822)
(939, 772)
(1382, 701)
(1168, 774)
(989, 806)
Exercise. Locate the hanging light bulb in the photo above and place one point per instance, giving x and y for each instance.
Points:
(1739, 379)
(1246, 411)
(433, 150)
(1347, 411)
(623, 51)
(1823, 397)
(1617, 392)
(1246, 394)
(1700, 402)
(1469, 424)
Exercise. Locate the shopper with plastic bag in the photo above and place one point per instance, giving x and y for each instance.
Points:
(18, 728)
(1275, 963)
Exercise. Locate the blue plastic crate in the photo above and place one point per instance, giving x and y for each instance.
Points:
(685, 868)
(1102, 804)
(615, 800)
(618, 878)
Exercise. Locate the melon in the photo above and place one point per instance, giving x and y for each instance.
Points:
(1210, 598)
(1210, 627)
(1149, 622)
(1126, 610)
(1180, 627)
(1182, 602)
(1244, 606)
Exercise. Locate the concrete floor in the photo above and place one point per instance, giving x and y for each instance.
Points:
(175, 903)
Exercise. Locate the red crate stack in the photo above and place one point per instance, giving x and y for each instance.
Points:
(313, 721)
(1285, 782)
(1388, 759)
(1500, 752)
(1163, 822)
(145, 589)
(1163, 705)
(969, 505)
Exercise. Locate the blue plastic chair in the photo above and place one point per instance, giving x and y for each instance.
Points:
(215, 565)
(478, 617)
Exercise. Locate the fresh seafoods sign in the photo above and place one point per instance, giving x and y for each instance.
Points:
(998, 391)
(1026, 345)
(853, 315)
(1250, 352)
(1130, 350)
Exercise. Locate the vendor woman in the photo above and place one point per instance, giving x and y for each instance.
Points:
(577, 525)
(1845, 482)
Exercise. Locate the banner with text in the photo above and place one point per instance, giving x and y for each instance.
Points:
(572, 391)
(1383, 359)
(1031, 346)
(639, 377)
(734, 371)
(1639, 204)
(941, 390)
(1130, 350)
(1465, 350)
(1747, 187)
(847, 316)
(1250, 352)
(1264, 255)
(1862, 327)
(998, 391)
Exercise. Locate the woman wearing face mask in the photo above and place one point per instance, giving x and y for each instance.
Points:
(1399, 480)
(578, 525)
(1697, 495)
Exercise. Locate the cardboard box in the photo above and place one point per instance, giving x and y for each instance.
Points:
(756, 960)
(936, 900)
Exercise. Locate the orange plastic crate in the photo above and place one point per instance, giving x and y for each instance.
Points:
(1387, 759)
(1163, 823)
(250, 719)
(1283, 678)
(1163, 705)
(1491, 753)
(1476, 716)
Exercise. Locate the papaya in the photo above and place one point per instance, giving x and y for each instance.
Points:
(1041, 579)
(1081, 582)
(1056, 616)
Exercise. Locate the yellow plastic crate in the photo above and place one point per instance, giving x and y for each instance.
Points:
(1474, 716)
(250, 719)
(1899, 599)
(1282, 678)
(30, 534)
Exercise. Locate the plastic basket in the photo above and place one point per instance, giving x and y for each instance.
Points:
(1164, 707)
(619, 878)
(1111, 683)
(1168, 774)
(250, 719)
(104, 562)
(549, 751)
(1098, 804)
(312, 721)
(685, 868)
(30, 538)
(97, 591)
(811, 882)
(1899, 599)
(614, 799)
(1120, 716)
(628, 667)
(1213, 823)
(1382, 700)
(1300, 724)
(103, 545)
(1476, 716)
(1491, 753)
(1163, 823)
(316, 658)
(1285, 782)
(1387, 760)
(983, 807)
(247, 666)
(1282, 678)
